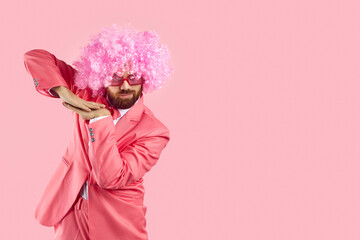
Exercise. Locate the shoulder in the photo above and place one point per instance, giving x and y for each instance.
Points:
(152, 124)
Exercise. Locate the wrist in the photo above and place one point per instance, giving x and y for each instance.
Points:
(102, 113)
(59, 90)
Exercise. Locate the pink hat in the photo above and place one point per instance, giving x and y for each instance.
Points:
(119, 49)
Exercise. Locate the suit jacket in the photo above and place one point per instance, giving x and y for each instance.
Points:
(113, 159)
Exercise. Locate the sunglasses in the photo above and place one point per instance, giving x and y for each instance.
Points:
(118, 81)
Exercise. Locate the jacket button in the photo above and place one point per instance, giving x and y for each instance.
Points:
(91, 129)
(91, 134)
(93, 139)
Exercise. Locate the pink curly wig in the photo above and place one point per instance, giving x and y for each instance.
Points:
(119, 49)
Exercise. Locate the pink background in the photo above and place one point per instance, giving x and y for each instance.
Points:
(263, 112)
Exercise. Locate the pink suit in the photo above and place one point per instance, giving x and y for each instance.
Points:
(113, 159)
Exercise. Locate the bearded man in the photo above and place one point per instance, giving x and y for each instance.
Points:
(96, 191)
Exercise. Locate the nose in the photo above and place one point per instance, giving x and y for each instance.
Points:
(125, 85)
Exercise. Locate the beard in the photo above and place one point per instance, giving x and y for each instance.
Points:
(124, 103)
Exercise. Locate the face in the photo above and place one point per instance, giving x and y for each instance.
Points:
(123, 96)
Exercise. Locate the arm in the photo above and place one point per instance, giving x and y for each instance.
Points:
(47, 71)
(113, 168)
(54, 78)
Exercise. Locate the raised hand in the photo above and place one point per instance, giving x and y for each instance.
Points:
(88, 115)
(69, 97)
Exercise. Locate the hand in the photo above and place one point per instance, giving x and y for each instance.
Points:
(88, 115)
(69, 97)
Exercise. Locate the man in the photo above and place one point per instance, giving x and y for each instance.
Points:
(96, 191)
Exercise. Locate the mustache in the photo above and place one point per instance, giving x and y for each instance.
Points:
(126, 92)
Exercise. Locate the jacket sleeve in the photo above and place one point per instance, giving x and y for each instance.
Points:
(114, 168)
(47, 71)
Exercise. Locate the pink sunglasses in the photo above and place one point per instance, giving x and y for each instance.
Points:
(118, 81)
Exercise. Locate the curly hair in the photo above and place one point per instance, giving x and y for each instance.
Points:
(118, 49)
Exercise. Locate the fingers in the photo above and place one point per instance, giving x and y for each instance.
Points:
(80, 103)
(81, 106)
(88, 105)
(83, 114)
(77, 103)
(69, 106)
(94, 105)
(86, 108)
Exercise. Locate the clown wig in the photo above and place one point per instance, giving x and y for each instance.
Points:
(118, 49)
